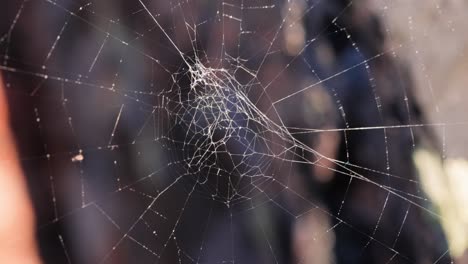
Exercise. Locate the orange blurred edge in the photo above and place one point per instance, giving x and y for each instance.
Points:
(17, 221)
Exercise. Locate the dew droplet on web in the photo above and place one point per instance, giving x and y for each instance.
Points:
(78, 158)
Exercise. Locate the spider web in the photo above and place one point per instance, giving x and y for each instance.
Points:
(207, 131)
